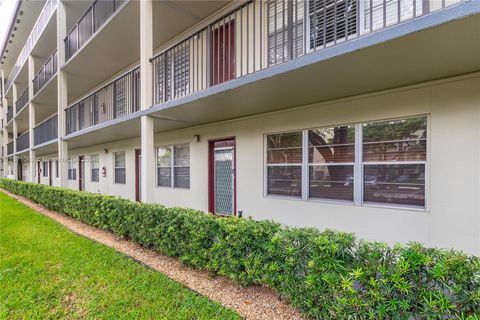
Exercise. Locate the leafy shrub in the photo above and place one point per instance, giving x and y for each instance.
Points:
(325, 274)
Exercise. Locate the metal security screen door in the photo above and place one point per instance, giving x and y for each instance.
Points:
(222, 177)
(81, 175)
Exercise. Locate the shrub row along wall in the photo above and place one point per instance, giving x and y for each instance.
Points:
(325, 274)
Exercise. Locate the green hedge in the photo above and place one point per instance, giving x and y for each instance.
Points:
(325, 274)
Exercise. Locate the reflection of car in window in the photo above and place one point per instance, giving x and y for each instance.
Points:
(348, 181)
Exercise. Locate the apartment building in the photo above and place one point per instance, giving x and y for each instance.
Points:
(356, 115)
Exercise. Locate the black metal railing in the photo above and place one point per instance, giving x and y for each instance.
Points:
(95, 16)
(22, 101)
(49, 69)
(41, 23)
(9, 114)
(115, 100)
(23, 141)
(261, 34)
(10, 148)
(46, 131)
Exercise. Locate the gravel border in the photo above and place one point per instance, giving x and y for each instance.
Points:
(253, 302)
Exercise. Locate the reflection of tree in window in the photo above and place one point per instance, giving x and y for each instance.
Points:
(284, 164)
(331, 160)
(394, 157)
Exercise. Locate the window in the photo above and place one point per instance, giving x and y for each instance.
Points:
(285, 30)
(331, 158)
(331, 20)
(284, 164)
(175, 61)
(45, 168)
(394, 160)
(164, 167)
(72, 171)
(181, 70)
(56, 168)
(120, 94)
(366, 163)
(94, 171)
(119, 164)
(181, 166)
(173, 166)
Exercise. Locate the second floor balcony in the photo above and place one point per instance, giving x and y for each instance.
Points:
(258, 35)
(46, 131)
(23, 141)
(116, 100)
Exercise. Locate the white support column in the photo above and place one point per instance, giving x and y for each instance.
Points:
(31, 157)
(15, 134)
(4, 138)
(62, 95)
(146, 72)
(31, 120)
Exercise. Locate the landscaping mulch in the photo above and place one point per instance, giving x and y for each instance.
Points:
(253, 302)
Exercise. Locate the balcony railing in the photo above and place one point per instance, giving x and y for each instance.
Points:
(115, 100)
(37, 30)
(9, 114)
(46, 131)
(22, 101)
(95, 16)
(261, 34)
(23, 141)
(49, 69)
(10, 148)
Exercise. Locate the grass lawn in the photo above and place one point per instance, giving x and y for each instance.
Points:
(48, 272)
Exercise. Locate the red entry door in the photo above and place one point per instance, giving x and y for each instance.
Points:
(50, 175)
(222, 57)
(138, 174)
(39, 171)
(81, 173)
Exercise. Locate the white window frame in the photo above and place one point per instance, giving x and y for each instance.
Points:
(358, 191)
(115, 167)
(94, 158)
(172, 166)
(71, 166)
(45, 168)
(266, 166)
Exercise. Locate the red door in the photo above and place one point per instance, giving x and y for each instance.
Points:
(138, 174)
(222, 57)
(222, 188)
(38, 171)
(50, 175)
(81, 173)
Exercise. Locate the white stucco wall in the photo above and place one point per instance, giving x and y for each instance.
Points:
(106, 184)
(452, 218)
(453, 186)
